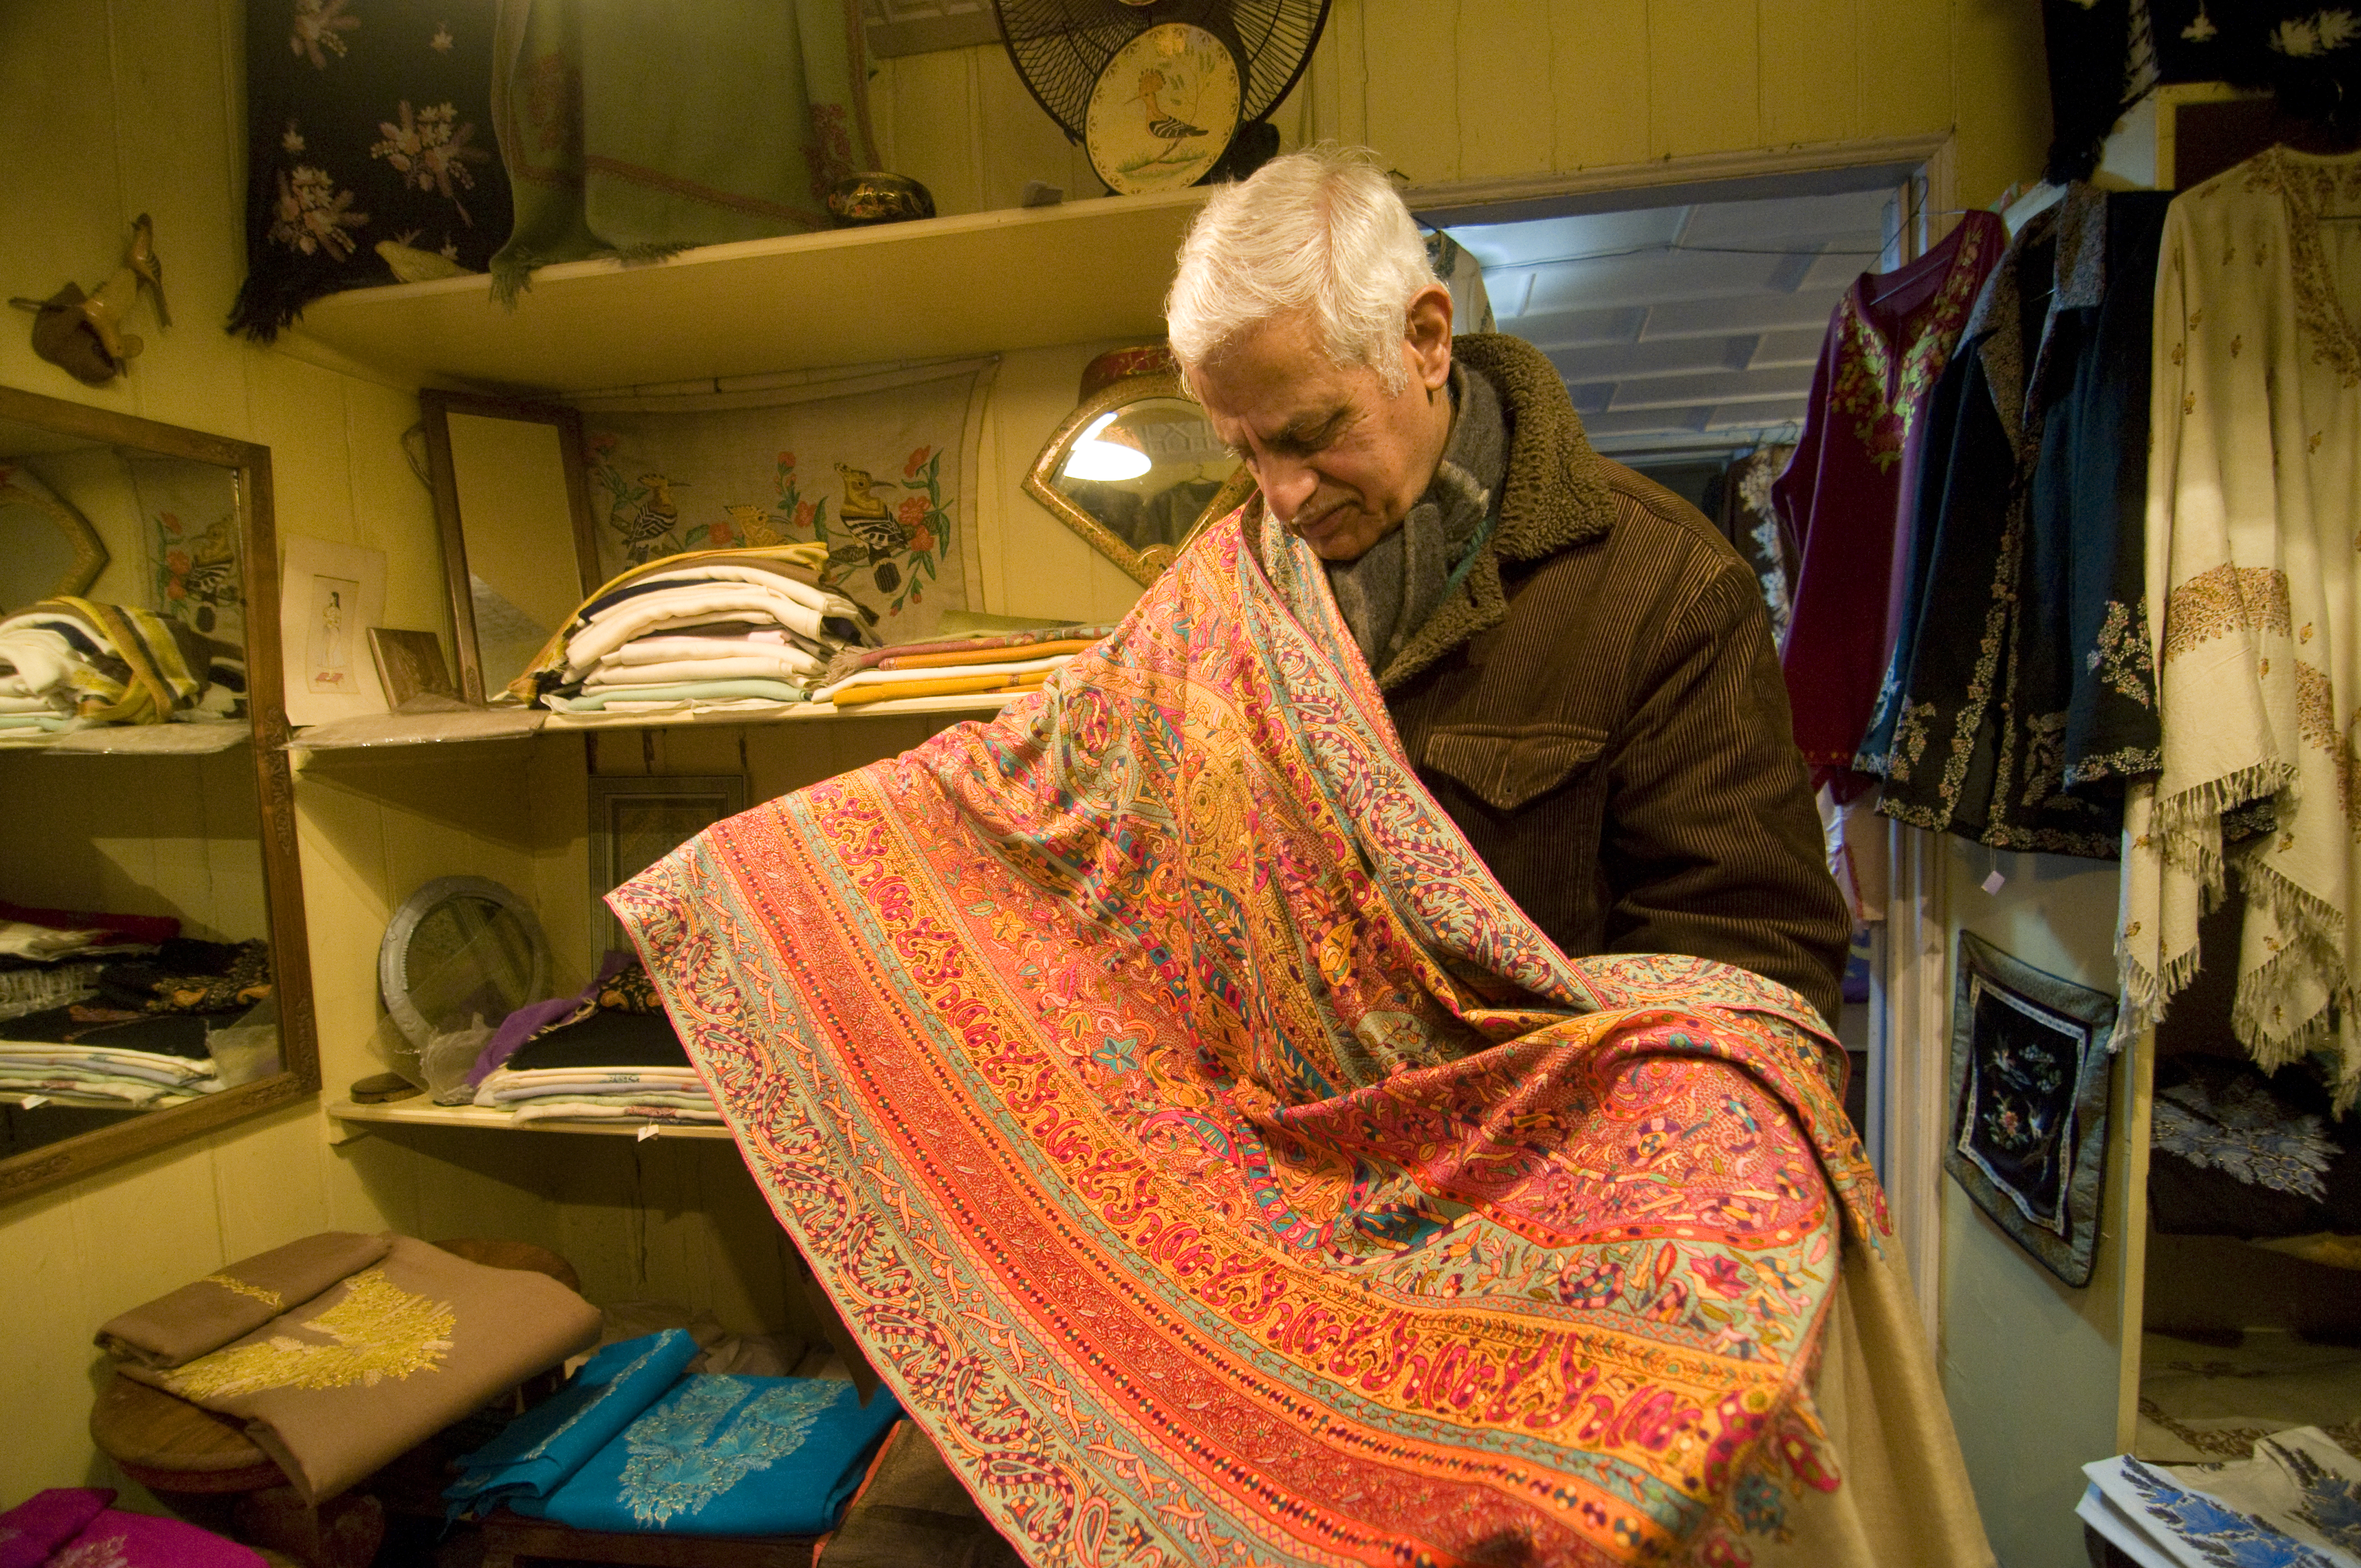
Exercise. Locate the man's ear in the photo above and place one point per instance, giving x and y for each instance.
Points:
(1429, 339)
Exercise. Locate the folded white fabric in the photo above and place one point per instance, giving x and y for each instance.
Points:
(22, 940)
(751, 667)
(687, 604)
(665, 650)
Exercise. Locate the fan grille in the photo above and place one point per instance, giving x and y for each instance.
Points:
(1060, 46)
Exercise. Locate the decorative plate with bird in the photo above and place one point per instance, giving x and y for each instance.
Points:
(1164, 109)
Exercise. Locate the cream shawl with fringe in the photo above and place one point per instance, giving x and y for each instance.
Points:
(2252, 505)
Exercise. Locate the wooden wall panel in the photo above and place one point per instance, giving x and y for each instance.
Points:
(1905, 78)
(1504, 70)
(1599, 83)
(1704, 77)
(1412, 92)
(1811, 71)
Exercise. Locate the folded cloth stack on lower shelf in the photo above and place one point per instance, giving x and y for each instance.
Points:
(954, 666)
(637, 1443)
(143, 1031)
(69, 663)
(341, 1351)
(714, 629)
(607, 1055)
(2297, 1502)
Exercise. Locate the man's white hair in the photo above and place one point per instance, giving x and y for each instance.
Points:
(1320, 232)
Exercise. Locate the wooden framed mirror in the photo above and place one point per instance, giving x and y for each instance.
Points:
(191, 821)
(1136, 470)
(513, 501)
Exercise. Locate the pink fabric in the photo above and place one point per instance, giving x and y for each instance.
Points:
(36, 1528)
(119, 1539)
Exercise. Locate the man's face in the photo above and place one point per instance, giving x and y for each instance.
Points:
(1340, 461)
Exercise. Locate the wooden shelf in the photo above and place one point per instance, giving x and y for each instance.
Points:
(419, 1112)
(941, 288)
(186, 740)
(387, 732)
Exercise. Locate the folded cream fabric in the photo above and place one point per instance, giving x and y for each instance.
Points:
(237, 1299)
(665, 608)
(745, 667)
(382, 1361)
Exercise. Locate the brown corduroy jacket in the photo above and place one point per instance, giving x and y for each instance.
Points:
(1600, 708)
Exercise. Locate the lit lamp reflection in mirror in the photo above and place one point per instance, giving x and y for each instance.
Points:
(1136, 469)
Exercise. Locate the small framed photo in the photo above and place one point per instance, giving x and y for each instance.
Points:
(637, 821)
(409, 664)
(327, 595)
(2030, 1071)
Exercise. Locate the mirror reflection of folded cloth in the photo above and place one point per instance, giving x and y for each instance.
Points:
(210, 1312)
(382, 1361)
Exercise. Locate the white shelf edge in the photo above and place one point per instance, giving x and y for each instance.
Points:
(413, 1113)
(981, 704)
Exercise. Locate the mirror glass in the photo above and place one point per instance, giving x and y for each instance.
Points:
(1137, 471)
(515, 512)
(154, 981)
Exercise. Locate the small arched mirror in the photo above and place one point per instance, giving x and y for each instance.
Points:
(1135, 468)
(47, 548)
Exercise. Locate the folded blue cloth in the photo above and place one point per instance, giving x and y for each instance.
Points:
(535, 1455)
(727, 1455)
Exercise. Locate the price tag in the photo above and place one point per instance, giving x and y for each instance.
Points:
(1995, 882)
(31, 1100)
(645, 1132)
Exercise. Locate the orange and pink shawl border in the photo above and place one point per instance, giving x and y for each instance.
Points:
(1222, 1167)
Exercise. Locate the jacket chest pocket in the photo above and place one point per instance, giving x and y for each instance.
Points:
(1509, 767)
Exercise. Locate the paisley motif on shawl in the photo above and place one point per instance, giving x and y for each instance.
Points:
(1218, 1164)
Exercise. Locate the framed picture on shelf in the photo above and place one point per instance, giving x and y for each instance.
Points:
(409, 664)
(637, 821)
(327, 595)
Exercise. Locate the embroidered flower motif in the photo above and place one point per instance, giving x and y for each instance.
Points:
(375, 1332)
(311, 216)
(2201, 30)
(292, 140)
(320, 24)
(2121, 656)
(430, 150)
(1720, 1274)
(106, 1553)
(2245, 1134)
(709, 1436)
(441, 42)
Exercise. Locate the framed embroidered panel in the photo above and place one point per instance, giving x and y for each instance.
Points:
(2029, 1076)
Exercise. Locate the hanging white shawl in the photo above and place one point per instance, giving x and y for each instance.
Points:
(2253, 505)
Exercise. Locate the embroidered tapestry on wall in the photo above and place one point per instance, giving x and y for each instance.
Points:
(368, 126)
(880, 468)
(2029, 1073)
(188, 514)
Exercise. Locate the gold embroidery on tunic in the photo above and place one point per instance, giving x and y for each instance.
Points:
(2217, 603)
(270, 1299)
(2305, 190)
(2121, 657)
(378, 1331)
(1909, 740)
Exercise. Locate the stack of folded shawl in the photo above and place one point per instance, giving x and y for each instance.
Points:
(608, 1054)
(68, 663)
(78, 1527)
(636, 1443)
(954, 666)
(714, 629)
(140, 1032)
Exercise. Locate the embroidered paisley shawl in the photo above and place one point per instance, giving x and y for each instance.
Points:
(2251, 535)
(1219, 1165)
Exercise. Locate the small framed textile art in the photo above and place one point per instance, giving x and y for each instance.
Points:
(637, 820)
(2029, 1076)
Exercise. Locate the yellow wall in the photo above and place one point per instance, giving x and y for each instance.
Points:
(1465, 89)
(107, 110)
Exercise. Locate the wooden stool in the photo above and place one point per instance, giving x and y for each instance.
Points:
(512, 1538)
(193, 1460)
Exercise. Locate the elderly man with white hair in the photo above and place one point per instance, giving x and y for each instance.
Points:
(1579, 666)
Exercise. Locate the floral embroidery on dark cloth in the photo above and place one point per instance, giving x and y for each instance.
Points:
(629, 990)
(2245, 1134)
(368, 138)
